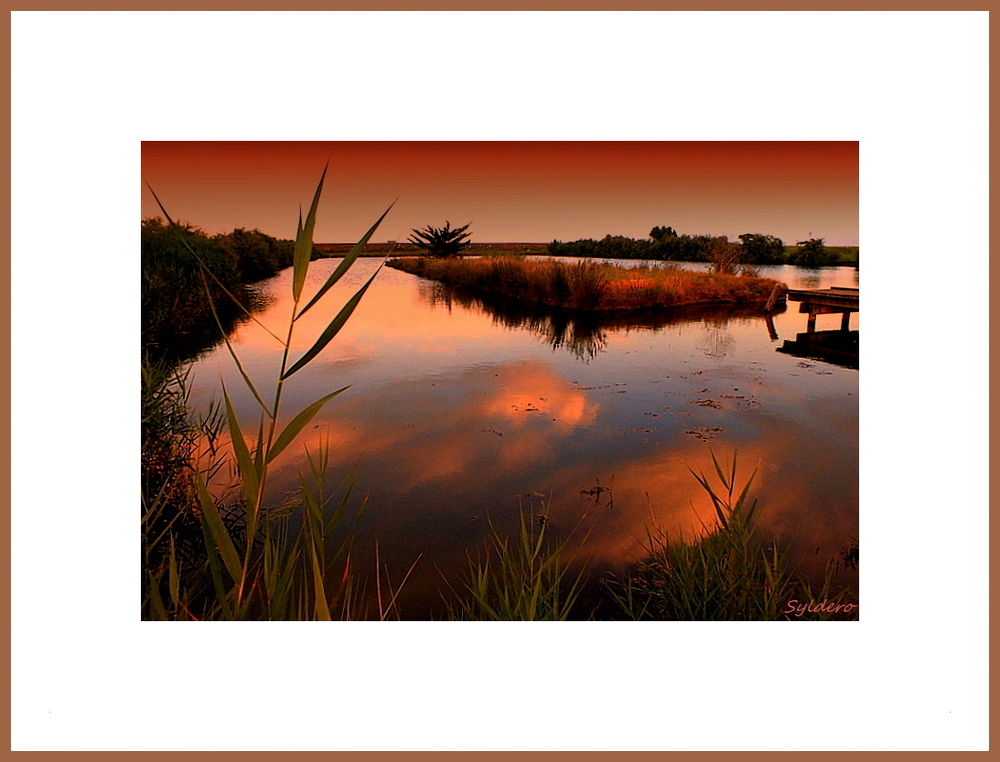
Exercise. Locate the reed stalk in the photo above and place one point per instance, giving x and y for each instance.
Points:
(263, 565)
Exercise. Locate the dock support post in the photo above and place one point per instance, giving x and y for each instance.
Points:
(811, 323)
(771, 330)
(845, 321)
(772, 299)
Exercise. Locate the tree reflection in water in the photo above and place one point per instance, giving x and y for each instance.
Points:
(585, 334)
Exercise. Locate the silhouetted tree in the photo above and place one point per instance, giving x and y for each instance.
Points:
(658, 233)
(812, 253)
(723, 255)
(759, 249)
(441, 242)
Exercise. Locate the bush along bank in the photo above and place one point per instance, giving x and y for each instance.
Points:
(177, 321)
(589, 285)
(665, 244)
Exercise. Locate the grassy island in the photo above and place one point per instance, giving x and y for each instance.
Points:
(588, 285)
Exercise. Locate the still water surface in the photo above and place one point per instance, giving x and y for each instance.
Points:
(460, 412)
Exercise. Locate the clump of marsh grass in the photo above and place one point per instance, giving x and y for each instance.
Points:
(259, 564)
(167, 485)
(524, 577)
(726, 574)
(587, 285)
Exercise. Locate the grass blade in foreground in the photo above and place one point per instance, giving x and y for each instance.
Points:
(303, 242)
(331, 330)
(247, 468)
(298, 423)
(272, 567)
(345, 265)
(216, 529)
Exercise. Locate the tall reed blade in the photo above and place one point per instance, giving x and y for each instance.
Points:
(174, 577)
(345, 265)
(298, 423)
(331, 330)
(217, 531)
(248, 471)
(215, 566)
(274, 566)
(319, 589)
(303, 242)
(718, 470)
(746, 489)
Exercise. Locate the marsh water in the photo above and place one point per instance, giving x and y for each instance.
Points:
(461, 413)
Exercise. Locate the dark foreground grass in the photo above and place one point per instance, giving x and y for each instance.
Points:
(525, 577)
(727, 574)
(588, 285)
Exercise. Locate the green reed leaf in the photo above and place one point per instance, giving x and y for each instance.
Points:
(243, 459)
(217, 530)
(285, 585)
(718, 470)
(298, 423)
(258, 450)
(214, 565)
(156, 602)
(314, 511)
(746, 488)
(319, 590)
(174, 578)
(331, 330)
(345, 265)
(303, 242)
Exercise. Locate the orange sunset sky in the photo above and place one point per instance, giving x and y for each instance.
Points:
(512, 191)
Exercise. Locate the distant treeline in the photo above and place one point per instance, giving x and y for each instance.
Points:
(177, 321)
(664, 243)
(401, 247)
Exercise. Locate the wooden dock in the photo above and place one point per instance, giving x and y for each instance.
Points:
(843, 301)
(838, 346)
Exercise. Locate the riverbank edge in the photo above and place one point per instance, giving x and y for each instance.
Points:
(773, 291)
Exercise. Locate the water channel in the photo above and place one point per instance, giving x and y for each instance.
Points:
(461, 413)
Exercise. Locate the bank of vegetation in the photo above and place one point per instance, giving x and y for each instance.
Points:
(186, 272)
(587, 285)
(195, 289)
(664, 243)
